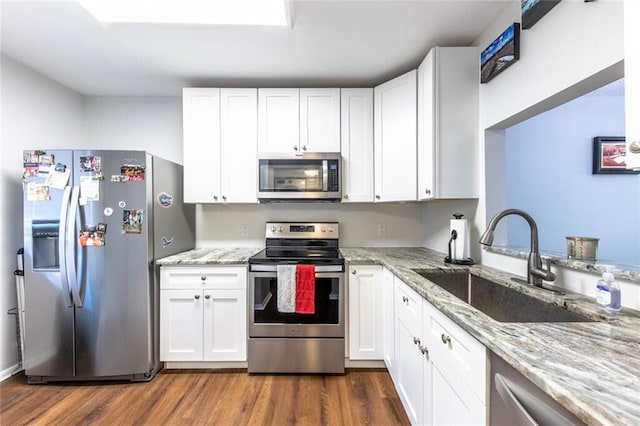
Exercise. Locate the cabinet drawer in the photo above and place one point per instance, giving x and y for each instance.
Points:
(408, 306)
(207, 278)
(460, 350)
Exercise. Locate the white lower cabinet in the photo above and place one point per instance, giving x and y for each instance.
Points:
(440, 371)
(388, 322)
(365, 312)
(409, 359)
(451, 399)
(203, 313)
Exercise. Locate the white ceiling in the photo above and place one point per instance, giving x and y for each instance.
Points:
(332, 43)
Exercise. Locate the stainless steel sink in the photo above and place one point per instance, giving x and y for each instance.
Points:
(501, 303)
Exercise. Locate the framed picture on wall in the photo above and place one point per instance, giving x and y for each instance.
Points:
(533, 10)
(609, 155)
(501, 53)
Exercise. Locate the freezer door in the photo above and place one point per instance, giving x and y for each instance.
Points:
(113, 263)
(48, 327)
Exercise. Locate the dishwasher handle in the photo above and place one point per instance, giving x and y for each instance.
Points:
(510, 400)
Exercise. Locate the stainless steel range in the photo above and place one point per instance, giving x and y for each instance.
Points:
(286, 341)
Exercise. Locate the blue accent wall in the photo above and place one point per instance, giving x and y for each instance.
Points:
(549, 175)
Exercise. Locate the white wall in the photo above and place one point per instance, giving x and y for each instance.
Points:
(36, 113)
(572, 50)
(436, 217)
(151, 124)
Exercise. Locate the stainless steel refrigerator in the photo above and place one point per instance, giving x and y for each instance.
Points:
(94, 221)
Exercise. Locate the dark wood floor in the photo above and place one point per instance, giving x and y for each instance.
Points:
(359, 397)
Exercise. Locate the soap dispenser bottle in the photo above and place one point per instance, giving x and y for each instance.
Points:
(608, 293)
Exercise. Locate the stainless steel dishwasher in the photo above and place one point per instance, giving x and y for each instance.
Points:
(517, 401)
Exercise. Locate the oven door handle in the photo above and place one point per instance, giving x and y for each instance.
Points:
(319, 268)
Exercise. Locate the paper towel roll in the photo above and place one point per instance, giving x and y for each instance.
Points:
(460, 246)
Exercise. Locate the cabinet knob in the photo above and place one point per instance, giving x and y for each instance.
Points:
(445, 339)
(224, 198)
(416, 341)
(377, 196)
(215, 197)
(405, 299)
(203, 278)
(427, 191)
(295, 148)
(424, 350)
(354, 272)
(207, 296)
(346, 196)
(304, 147)
(197, 296)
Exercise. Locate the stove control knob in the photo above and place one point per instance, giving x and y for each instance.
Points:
(273, 229)
(331, 229)
(324, 229)
(280, 229)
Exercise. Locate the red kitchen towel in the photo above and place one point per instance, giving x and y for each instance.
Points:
(305, 289)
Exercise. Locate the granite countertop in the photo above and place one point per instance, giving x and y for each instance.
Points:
(592, 368)
(210, 256)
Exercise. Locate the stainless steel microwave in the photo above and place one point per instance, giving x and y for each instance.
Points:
(305, 176)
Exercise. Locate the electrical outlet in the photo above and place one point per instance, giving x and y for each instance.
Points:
(382, 229)
(244, 230)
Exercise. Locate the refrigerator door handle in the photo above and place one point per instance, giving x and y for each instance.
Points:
(71, 238)
(62, 246)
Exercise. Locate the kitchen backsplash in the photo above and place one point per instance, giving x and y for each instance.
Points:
(371, 225)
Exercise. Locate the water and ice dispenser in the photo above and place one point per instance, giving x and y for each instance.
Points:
(45, 235)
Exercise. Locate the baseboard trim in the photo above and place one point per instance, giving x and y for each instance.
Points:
(179, 365)
(8, 372)
(352, 363)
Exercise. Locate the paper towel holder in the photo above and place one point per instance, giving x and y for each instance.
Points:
(449, 259)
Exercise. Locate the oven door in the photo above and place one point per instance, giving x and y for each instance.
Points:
(266, 321)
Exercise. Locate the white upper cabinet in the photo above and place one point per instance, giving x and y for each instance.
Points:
(448, 123)
(220, 145)
(357, 145)
(278, 120)
(632, 81)
(299, 120)
(395, 114)
(201, 144)
(320, 120)
(239, 145)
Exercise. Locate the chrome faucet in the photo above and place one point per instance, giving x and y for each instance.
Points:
(535, 273)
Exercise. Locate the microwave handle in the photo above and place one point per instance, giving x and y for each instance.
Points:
(325, 175)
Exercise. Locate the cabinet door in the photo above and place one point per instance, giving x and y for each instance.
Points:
(278, 120)
(409, 369)
(181, 325)
(201, 144)
(632, 80)
(239, 145)
(395, 132)
(389, 322)
(225, 325)
(365, 312)
(448, 123)
(427, 380)
(409, 359)
(426, 127)
(452, 401)
(320, 120)
(357, 145)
